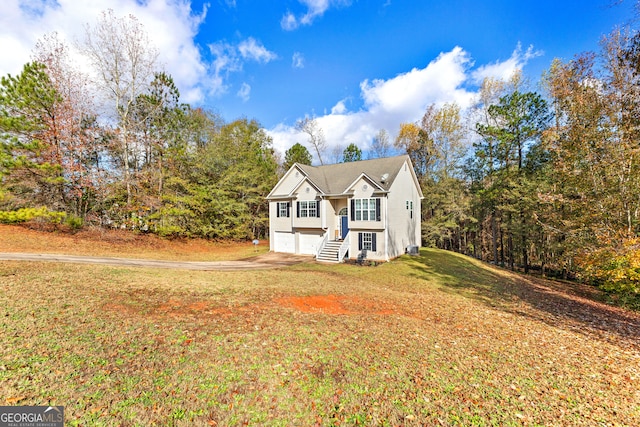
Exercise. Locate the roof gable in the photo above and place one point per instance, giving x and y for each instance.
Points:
(292, 179)
(337, 178)
(363, 177)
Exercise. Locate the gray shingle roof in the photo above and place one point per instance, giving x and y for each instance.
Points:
(334, 179)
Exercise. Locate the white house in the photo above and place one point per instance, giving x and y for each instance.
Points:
(368, 209)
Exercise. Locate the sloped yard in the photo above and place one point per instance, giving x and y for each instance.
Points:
(438, 339)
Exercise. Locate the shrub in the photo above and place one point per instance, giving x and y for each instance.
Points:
(614, 269)
(29, 214)
(74, 222)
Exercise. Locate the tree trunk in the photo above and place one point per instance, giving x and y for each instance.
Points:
(525, 255)
(510, 250)
(501, 249)
(494, 238)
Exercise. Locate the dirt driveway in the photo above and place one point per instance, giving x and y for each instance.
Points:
(261, 262)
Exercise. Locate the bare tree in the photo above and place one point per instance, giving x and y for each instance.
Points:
(311, 127)
(380, 147)
(125, 61)
(336, 153)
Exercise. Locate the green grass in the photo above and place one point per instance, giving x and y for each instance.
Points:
(438, 339)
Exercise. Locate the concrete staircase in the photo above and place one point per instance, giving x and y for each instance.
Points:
(330, 252)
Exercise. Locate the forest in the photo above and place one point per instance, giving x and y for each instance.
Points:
(541, 178)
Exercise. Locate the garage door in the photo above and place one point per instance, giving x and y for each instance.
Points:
(284, 242)
(308, 243)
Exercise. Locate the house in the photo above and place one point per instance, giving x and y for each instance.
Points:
(368, 209)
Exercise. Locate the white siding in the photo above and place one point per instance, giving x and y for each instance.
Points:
(288, 183)
(403, 230)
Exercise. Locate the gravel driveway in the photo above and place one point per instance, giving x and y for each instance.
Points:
(261, 262)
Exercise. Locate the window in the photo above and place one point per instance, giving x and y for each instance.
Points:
(365, 209)
(283, 209)
(410, 208)
(367, 242)
(309, 209)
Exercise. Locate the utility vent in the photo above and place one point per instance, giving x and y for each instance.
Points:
(384, 178)
(413, 250)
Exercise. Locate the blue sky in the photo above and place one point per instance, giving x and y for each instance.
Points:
(351, 42)
(357, 66)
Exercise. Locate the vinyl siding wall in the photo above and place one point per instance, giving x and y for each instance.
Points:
(403, 230)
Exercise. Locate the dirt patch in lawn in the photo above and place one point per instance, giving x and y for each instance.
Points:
(320, 304)
(333, 304)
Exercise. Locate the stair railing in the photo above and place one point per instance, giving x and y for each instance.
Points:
(325, 239)
(344, 247)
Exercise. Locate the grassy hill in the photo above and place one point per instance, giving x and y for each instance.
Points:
(438, 339)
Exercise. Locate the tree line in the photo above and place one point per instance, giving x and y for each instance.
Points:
(120, 149)
(551, 181)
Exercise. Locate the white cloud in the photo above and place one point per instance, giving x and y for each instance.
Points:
(505, 69)
(403, 98)
(406, 93)
(339, 108)
(229, 58)
(251, 49)
(298, 60)
(315, 9)
(289, 22)
(245, 92)
(170, 24)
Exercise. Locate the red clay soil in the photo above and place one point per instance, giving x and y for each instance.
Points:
(319, 304)
(332, 304)
(328, 304)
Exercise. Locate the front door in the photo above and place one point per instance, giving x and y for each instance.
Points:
(344, 226)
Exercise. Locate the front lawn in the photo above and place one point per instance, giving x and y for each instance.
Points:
(438, 339)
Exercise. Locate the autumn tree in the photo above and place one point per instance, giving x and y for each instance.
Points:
(445, 207)
(596, 158)
(413, 140)
(49, 145)
(79, 139)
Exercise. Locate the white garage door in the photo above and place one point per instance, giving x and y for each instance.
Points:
(308, 243)
(284, 242)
